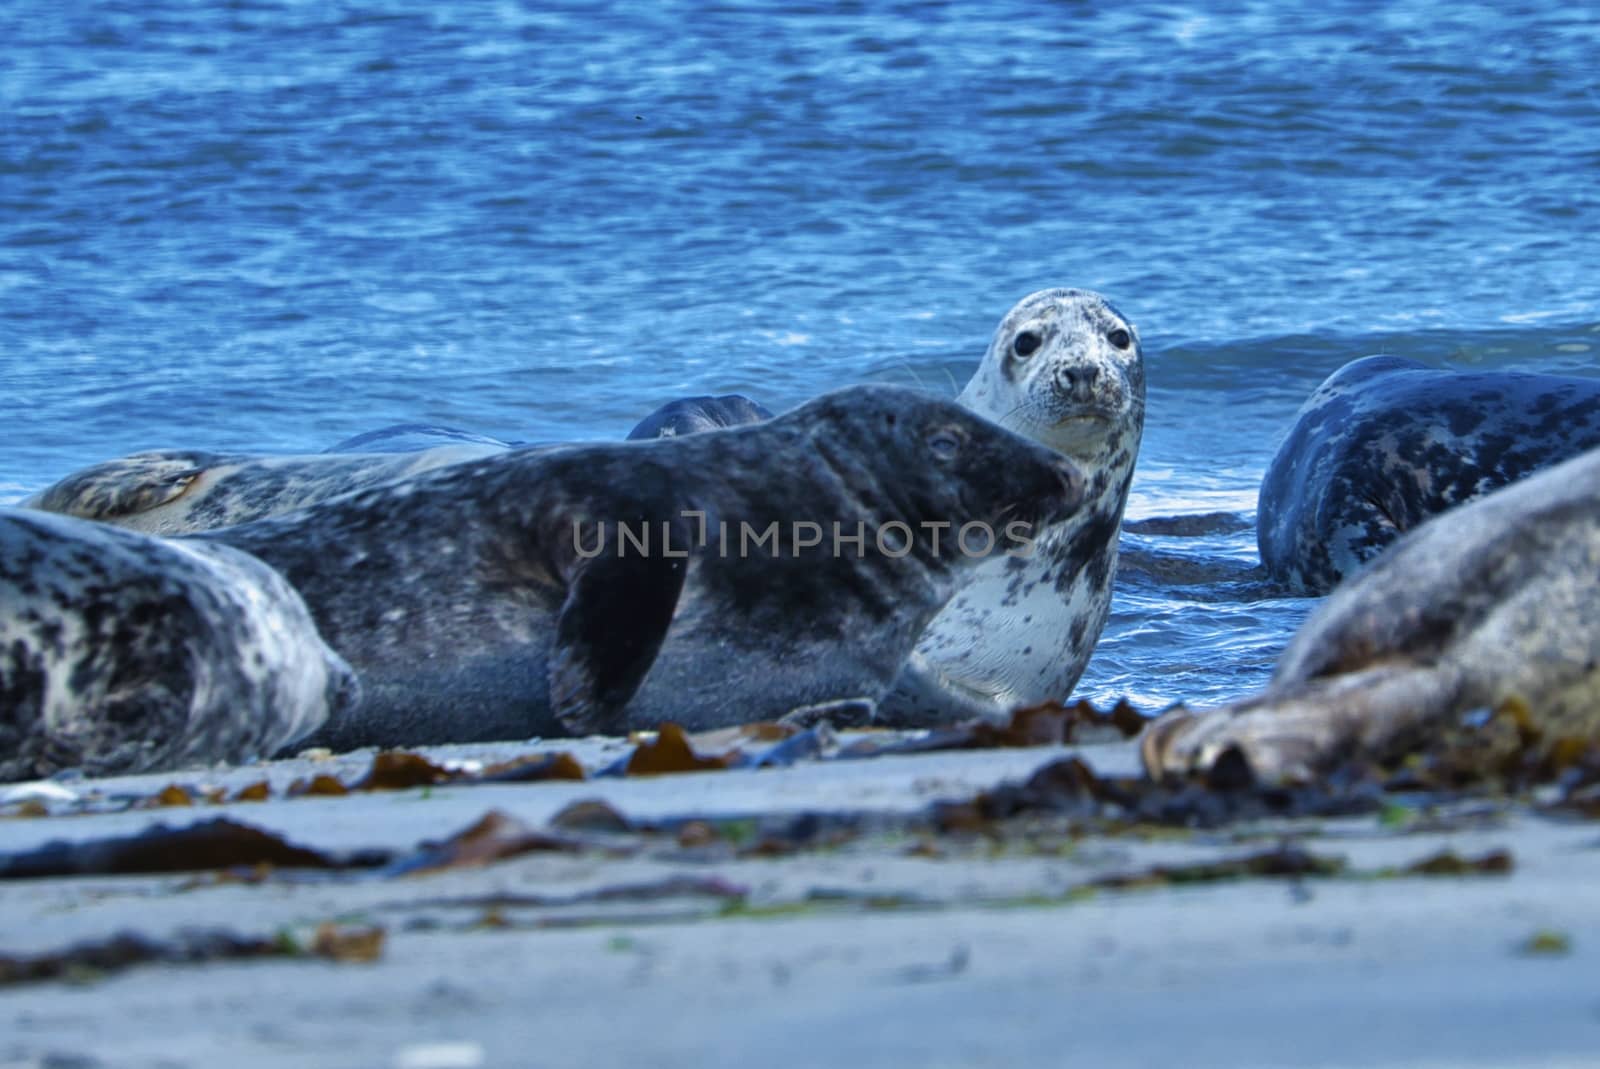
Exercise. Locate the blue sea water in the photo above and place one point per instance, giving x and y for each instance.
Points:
(272, 224)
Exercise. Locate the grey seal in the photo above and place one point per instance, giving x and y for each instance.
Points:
(691, 415)
(1065, 369)
(1496, 599)
(123, 653)
(1385, 442)
(498, 598)
(175, 492)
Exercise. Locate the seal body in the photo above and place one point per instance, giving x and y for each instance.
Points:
(1384, 443)
(123, 653)
(691, 415)
(1494, 600)
(1065, 369)
(174, 492)
(502, 598)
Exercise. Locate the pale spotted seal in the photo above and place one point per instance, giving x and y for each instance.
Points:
(487, 600)
(1065, 369)
(1384, 443)
(1496, 599)
(691, 415)
(174, 492)
(125, 653)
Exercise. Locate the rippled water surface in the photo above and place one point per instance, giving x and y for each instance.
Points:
(272, 224)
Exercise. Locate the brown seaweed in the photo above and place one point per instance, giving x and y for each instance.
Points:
(95, 958)
(219, 843)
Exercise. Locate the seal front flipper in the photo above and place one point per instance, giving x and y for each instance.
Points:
(608, 633)
(123, 487)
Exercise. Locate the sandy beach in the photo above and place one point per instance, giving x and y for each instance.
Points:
(683, 943)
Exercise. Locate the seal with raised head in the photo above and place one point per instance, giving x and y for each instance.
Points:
(123, 653)
(1494, 600)
(736, 575)
(1065, 369)
(175, 492)
(1386, 442)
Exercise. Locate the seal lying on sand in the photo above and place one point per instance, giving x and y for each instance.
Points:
(123, 653)
(174, 492)
(1385, 443)
(702, 579)
(1496, 599)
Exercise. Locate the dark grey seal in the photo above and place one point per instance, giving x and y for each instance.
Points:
(1494, 600)
(174, 492)
(691, 415)
(1384, 443)
(1065, 369)
(499, 598)
(123, 653)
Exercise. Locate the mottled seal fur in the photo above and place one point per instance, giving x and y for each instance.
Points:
(1384, 443)
(691, 415)
(125, 653)
(477, 601)
(1065, 369)
(174, 492)
(1496, 599)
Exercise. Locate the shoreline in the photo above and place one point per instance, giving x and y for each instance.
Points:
(1033, 945)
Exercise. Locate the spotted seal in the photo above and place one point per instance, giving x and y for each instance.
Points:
(1385, 442)
(499, 598)
(174, 492)
(691, 415)
(123, 653)
(1065, 369)
(1498, 598)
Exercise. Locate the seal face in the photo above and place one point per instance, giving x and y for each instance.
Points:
(1065, 369)
(1496, 599)
(174, 492)
(122, 653)
(691, 415)
(1384, 443)
(760, 571)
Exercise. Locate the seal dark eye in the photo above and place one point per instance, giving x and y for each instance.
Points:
(1120, 338)
(1025, 343)
(944, 444)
